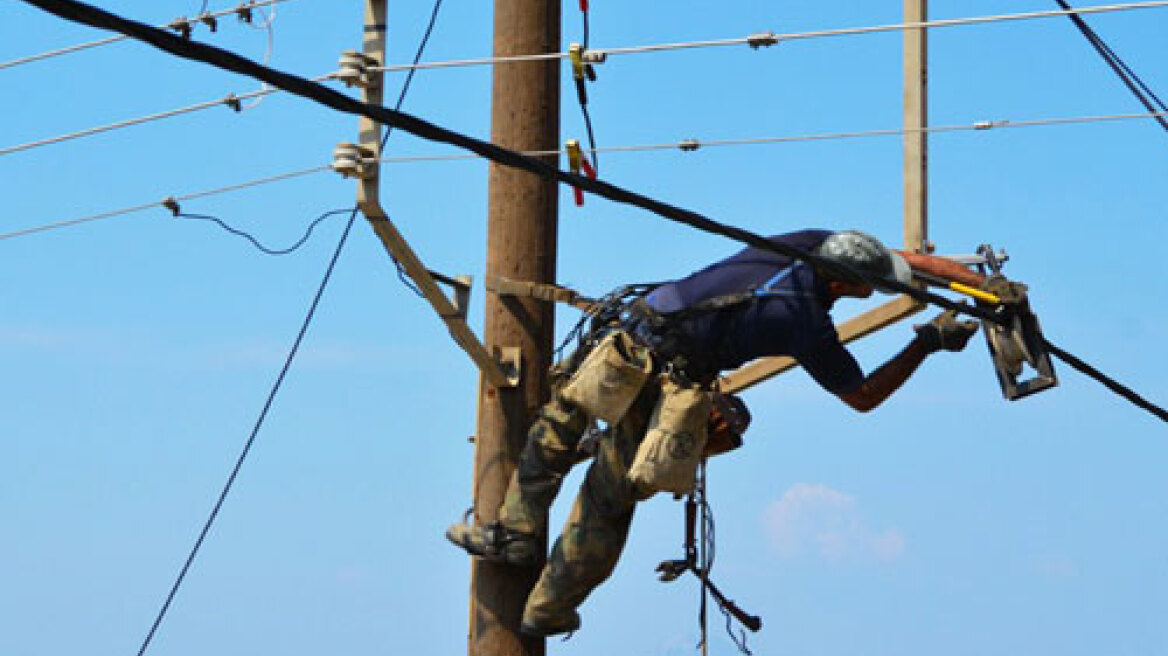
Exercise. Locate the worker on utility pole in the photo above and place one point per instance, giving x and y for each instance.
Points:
(648, 370)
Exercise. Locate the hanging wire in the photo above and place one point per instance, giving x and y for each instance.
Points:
(255, 242)
(251, 438)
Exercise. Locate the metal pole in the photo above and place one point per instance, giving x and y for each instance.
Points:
(521, 245)
(916, 116)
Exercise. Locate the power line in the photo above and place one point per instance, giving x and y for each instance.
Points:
(145, 206)
(287, 362)
(231, 100)
(764, 39)
(190, 22)
(226, 60)
(685, 145)
(1129, 78)
(252, 437)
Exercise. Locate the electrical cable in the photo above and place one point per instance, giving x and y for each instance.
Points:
(1107, 381)
(686, 145)
(402, 274)
(255, 242)
(252, 437)
(80, 12)
(1117, 65)
(581, 94)
(770, 38)
(231, 100)
(113, 39)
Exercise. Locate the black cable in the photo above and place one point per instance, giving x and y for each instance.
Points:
(582, 96)
(402, 275)
(251, 438)
(88, 15)
(1107, 381)
(1125, 73)
(92, 16)
(255, 242)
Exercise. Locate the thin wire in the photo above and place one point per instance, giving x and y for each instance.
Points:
(1126, 75)
(113, 39)
(402, 274)
(252, 437)
(771, 38)
(255, 242)
(684, 145)
(228, 101)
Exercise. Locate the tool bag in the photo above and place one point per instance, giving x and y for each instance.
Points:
(610, 377)
(668, 456)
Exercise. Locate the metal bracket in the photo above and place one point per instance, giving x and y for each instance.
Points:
(510, 360)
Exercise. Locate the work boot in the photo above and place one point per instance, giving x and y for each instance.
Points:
(496, 543)
(543, 625)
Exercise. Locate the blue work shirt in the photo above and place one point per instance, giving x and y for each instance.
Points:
(790, 317)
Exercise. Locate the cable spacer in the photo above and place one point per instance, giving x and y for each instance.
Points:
(244, 11)
(182, 26)
(208, 19)
(986, 125)
(689, 145)
(171, 203)
(762, 40)
(233, 102)
(354, 69)
(351, 160)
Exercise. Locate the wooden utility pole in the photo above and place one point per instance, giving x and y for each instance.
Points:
(916, 118)
(521, 245)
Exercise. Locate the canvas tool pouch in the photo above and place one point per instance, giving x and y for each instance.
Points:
(667, 459)
(610, 377)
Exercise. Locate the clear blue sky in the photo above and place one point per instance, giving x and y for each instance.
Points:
(137, 351)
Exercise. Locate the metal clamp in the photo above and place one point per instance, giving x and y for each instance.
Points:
(182, 26)
(762, 40)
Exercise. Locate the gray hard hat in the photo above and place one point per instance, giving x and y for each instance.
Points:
(867, 256)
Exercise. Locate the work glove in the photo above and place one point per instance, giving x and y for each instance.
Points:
(1010, 292)
(945, 332)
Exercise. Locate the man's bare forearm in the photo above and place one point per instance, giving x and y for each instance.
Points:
(943, 268)
(881, 383)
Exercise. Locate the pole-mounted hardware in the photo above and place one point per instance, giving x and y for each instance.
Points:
(361, 161)
(578, 163)
(762, 40)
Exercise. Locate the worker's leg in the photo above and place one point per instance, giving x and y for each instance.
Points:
(546, 458)
(594, 535)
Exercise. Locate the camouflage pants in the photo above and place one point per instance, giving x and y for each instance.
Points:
(595, 532)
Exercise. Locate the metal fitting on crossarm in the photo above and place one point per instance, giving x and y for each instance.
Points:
(208, 19)
(244, 11)
(354, 69)
(689, 145)
(352, 161)
(182, 26)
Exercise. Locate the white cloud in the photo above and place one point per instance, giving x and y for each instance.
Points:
(814, 519)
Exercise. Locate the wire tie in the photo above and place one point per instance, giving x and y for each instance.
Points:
(233, 102)
(986, 125)
(209, 20)
(762, 40)
(182, 26)
(171, 203)
(243, 11)
(689, 145)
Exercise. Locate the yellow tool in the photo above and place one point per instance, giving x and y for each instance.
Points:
(972, 292)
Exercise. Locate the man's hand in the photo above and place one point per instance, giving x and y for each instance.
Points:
(945, 332)
(1010, 292)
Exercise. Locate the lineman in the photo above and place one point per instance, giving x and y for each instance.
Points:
(649, 374)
